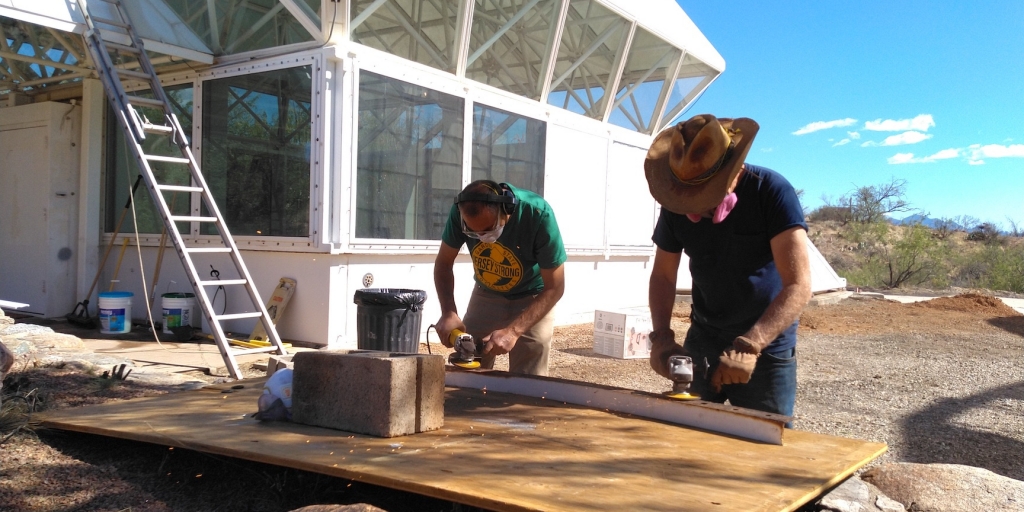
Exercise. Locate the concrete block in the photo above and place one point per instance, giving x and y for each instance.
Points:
(279, 362)
(383, 394)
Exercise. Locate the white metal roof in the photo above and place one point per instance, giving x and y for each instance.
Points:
(666, 19)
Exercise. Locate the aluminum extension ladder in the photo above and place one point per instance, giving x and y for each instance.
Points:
(136, 126)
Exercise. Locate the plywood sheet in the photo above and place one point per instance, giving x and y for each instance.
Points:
(504, 452)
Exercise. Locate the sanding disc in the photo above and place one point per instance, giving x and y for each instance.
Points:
(683, 396)
(467, 365)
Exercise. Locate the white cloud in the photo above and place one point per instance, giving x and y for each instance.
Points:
(975, 154)
(920, 123)
(978, 153)
(824, 125)
(902, 158)
(909, 158)
(946, 154)
(899, 140)
(841, 143)
(906, 138)
(853, 135)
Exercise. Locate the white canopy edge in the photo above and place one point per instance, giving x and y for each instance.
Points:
(667, 19)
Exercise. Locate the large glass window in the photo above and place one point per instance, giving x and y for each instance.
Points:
(424, 31)
(123, 169)
(409, 165)
(645, 77)
(588, 56)
(235, 26)
(508, 148)
(256, 151)
(510, 42)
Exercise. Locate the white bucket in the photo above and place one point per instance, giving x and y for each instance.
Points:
(179, 309)
(115, 312)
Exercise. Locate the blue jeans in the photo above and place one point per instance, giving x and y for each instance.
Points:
(772, 387)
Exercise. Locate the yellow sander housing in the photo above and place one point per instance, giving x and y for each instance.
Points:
(467, 352)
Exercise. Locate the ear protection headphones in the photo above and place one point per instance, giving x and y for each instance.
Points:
(502, 195)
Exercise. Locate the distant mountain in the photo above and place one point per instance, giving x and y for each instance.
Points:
(924, 220)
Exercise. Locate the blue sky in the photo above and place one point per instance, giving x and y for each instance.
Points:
(851, 94)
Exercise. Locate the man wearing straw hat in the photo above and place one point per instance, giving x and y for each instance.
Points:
(743, 229)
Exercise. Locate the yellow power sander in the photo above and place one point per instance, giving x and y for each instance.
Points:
(467, 351)
(680, 370)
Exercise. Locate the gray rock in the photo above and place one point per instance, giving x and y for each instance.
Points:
(20, 347)
(20, 329)
(887, 504)
(856, 495)
(947, 487)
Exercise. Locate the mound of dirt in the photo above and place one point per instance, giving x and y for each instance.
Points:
(964, 312)
(976, 303)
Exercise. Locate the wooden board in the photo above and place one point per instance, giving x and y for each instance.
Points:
(275, 307)
(503, 452)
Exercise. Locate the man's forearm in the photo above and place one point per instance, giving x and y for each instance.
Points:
(540, 307)
(661, 297)
(781, 313)
(444, 284)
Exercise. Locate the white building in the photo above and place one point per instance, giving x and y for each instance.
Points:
(335, 136)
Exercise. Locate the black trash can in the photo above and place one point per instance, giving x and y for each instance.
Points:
(389, 319)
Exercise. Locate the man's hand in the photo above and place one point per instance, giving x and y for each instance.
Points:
(445, 324)
(663, 346)
(736, 365)
(500, 342)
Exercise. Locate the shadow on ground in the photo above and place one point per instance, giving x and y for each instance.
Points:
(1010, 324)
(953, 442)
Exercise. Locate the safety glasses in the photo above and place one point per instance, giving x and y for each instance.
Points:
(496, 229)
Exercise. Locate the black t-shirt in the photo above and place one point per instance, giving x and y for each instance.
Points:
(733, 270)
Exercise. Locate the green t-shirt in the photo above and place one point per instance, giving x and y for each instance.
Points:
(530, 241)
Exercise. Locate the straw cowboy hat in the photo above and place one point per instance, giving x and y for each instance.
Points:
(691, 166)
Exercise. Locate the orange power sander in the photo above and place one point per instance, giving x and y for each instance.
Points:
(467, 350)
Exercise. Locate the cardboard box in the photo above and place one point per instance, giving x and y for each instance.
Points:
(621, 334)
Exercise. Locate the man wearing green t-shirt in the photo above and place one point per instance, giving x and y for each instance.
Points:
(518, 260)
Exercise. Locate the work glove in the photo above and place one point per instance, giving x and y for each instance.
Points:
(663, 346)
(736, 365)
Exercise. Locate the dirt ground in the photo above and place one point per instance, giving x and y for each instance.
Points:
(939, 381)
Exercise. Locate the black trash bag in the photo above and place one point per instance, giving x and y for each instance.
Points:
(395, 297)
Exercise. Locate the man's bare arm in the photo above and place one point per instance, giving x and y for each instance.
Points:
(444, 277)
(444, 284)
(501, 341)
(554, 287)
(789, 249)
(661, 293)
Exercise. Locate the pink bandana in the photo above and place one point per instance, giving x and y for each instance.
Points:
(721, 211)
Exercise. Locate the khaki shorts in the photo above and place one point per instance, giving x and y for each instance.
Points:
(489, 311)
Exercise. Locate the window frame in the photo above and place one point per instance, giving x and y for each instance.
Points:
(312, 242)
(470, 92)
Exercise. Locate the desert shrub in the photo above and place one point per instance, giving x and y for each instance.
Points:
(827, 213)
(985, 232)
(944, 228)
(896, 256)
(1005, 268)
(970, 273)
